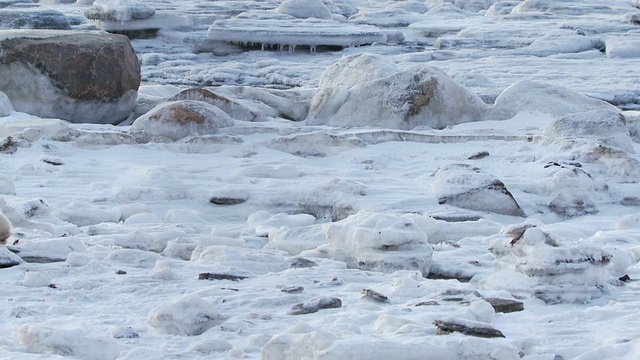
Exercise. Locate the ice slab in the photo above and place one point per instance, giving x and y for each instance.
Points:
(271, 29)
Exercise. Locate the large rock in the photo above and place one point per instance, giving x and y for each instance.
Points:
(532, 96)
(71, 75)
(33, 19)
(420, 96)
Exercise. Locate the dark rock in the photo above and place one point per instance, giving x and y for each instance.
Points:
(8, 145)
(298, 263)
(313, 305)
(374, 295)
(71, 75)
(427, 303)
(630, 201)
(625, 278)
(466, 327)
(211, 276)
(226, 200)
(33, 19)
(121, 272)
(479, 155)
(292, 289)
(505, 305)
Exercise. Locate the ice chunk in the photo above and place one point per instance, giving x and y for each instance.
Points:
(303, 9)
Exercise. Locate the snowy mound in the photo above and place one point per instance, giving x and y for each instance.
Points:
(5, 105)
(419, 96)
(304, 9)
(533, 96)
(267, 29)
(177, 119)
(355, 69)
(189, 315)
(378, 242)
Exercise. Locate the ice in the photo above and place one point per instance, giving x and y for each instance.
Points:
(5, 228)
(5, 105)
(304, 9)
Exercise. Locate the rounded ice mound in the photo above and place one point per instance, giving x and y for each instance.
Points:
(355, 69)
(189, 315)
(378, 242)
(420, 96)
(177, 119)
(602, 126)
(532, 96)
(119, 10)
(304, 9)
(71, 75)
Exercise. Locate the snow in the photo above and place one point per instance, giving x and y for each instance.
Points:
(298, 215)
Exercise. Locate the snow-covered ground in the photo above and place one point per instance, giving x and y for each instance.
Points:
(287, 230)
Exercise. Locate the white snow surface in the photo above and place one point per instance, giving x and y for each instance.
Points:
(193, 240)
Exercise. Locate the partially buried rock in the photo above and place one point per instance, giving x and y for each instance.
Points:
(505, 305)
(470, 188)
(292, 289)
(8, 259)
(188, 315)
(313, 305)
(232, 107)
(211, 276)
(374, 295)
(33, 19)
(71, 75)
(467, 327)
(178, 119)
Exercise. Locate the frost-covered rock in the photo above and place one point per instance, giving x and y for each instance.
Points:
(601, 126)
(282, 31)
(73, 340)
(556, 269)
(241, 261)
(189, 315)
(531, 96)
(420, 96)
(5, 105)
(119, 10)
(563, 42)
(33, 19)
(470, 188)
(571, 191)
(178, 119)
(5, 228)
(303, 9)
(622, 47)
(355, 69)
(233, 108)
(8, 259)
(378, 242)
(71, 75)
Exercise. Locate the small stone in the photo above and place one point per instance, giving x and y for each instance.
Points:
(226, 200)
(625, 278)
(123, 333)
(505, 305)
(211, 276)
(121, 272)
(292, 289)
(374, 295)
(479, 155)
(446, 327)
(313, 305)
(427, 303)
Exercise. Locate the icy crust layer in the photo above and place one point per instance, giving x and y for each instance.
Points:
(269, 29)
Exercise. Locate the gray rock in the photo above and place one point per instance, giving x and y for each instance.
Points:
(374, 295)
(292, 289)
(33, 19)
(505, 305)
(471, 328)
(314, 305)
(211, 276)
(70, 75)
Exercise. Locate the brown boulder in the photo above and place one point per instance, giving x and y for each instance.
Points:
(72, 75)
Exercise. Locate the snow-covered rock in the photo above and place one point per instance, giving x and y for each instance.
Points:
(622, 47)
(282, 31)
(178, 119)
(232, 107)
(119, 10)
(571, 190)
(470, 188)
(419, 96)
(556, 269)
(33, 19)
(602, 126)
(562, 42)
(71, 75)
(378, 242)
(5, 228)
(79, 341)
(5, 105)
(304, 9)
(355, 69)
(532, 96)
(188, 315)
